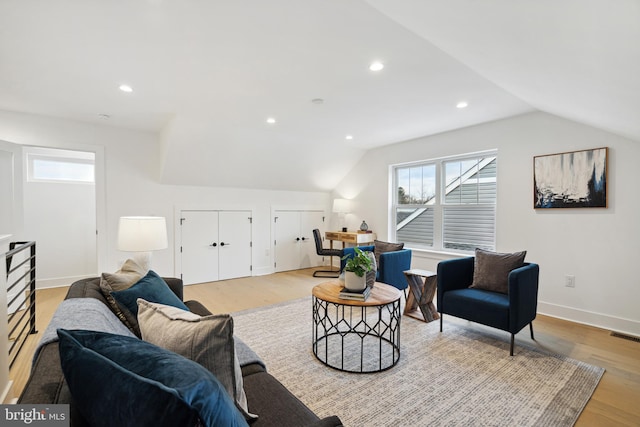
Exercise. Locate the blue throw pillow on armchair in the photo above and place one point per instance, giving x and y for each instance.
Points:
(124, 381)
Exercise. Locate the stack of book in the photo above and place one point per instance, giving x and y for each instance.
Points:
(355, 295)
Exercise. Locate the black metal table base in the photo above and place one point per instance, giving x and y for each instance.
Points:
(354, 338)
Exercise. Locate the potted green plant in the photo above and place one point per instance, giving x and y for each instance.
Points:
(356, 268)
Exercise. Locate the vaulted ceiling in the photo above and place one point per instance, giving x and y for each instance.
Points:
(206, 75)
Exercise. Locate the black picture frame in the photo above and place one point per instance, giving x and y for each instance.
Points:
(574, 179)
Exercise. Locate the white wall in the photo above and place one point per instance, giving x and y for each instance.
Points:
(61, 218)
(10, 188)
(6, 190)
(599, 246)
(130, 187)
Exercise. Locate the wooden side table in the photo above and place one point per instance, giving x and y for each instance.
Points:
(422, 286)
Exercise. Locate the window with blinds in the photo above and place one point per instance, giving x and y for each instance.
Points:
(446, 204)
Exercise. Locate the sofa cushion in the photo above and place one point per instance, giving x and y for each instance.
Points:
(491, 269)
(207, 340)
(150, 288)
(485, 307)
(270, 399)
(382, 247)
(135, 383)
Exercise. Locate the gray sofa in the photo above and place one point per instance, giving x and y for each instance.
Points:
(266, 396)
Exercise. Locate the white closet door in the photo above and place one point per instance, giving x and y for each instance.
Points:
(199, 246)
(234, 230)
(294, 246)
(287, 240)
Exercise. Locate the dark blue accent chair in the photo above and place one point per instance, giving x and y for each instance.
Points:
(509, 312)
(392, 265)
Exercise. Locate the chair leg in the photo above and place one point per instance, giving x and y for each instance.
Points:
(441, 316)
(531, 329)
(327, 273)
(512, 339)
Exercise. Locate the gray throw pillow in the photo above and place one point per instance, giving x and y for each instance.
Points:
(491, 269)
(382, 247)
(125, 277)
(207, 340)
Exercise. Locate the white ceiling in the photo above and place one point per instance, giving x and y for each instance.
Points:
(207, 74)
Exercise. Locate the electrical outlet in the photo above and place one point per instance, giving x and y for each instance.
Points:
(570, 281)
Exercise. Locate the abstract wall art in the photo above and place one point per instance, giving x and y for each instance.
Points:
(577, 179)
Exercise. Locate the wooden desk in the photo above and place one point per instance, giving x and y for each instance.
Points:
(352, 237)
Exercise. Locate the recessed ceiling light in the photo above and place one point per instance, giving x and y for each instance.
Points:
(462, 104)
(126, 88)
(376, 66)
(271, 120)
(348, 137)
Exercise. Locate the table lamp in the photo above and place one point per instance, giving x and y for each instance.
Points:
(142, 234)
(341, 207)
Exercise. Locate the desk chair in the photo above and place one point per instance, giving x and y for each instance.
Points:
(326, 252)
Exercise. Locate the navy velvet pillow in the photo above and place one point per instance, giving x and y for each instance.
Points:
(150, 288)
(124, 381)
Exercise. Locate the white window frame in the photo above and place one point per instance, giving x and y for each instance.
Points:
(438, 202)
(63, 157)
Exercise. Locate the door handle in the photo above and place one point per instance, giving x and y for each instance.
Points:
(303, 239)
(297, 239)
(214, 244)
(223, 243)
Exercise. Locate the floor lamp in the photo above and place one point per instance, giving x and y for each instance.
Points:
(142, 234)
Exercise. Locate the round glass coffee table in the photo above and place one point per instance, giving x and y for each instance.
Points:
(356, 336)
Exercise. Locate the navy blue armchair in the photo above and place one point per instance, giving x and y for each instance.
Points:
(392, 265)
(509, 312)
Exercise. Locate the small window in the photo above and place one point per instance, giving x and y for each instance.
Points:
(72, 167)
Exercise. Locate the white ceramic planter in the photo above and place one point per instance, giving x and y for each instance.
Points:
(354, 282)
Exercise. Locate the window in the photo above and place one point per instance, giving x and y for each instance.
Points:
(446, 204)
(61, 166)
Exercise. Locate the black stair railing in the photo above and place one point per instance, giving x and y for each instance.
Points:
(21, 321)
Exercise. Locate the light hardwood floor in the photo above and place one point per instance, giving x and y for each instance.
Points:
(615, 402)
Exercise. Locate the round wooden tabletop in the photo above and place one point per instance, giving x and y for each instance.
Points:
(381, 294)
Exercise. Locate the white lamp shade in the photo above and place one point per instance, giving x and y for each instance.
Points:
(142, 233)
(341, 205)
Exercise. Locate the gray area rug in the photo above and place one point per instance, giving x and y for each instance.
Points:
(458, 377)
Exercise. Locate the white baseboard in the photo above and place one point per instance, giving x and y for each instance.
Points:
(60, 281)
(262, 271)
(599, 320)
